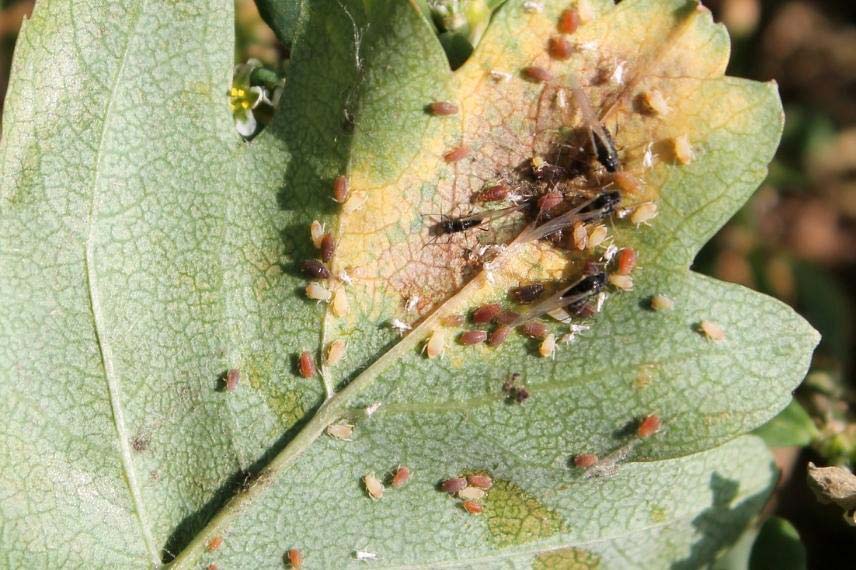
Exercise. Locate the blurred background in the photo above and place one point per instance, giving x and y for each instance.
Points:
(794, 240)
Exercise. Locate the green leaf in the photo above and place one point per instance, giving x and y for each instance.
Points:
(778, 547)
(793, 426)
(146, 249)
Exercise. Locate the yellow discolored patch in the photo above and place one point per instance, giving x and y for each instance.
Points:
(566, 559)
(516, 517)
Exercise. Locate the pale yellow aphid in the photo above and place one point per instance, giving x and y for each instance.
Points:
(548, 346)
(597, 235)
(335, 352)
(653, 103)
(661, 303)
(623, 282)
(579, 235)
(341, 305)
(711, 331)
(318, 292)
(537, 162)
(436, 344)
(316, 232)
(498, 75)
(585, 11)
(471, 494)
(682, 149)
(374, 487)
(340, 431)
(643, 213)
(355, 202)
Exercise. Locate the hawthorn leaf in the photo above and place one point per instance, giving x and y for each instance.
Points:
(146, 249)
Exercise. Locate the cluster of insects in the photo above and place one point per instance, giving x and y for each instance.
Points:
(471, 490)
(375, 487)
(594, 466)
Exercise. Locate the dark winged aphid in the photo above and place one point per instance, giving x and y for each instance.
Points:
(526, 293)
(601, 140)
(449, 225)
(595, 209)
(570, 296)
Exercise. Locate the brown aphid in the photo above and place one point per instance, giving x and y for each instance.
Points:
(569, 21)
(506, 317)
(480, 480)
(536, 74)
(470, 338)
(585, 460)
(340, 189)
(534, 329)
(328, 247)
(441, 108)
(627, 183)
(314, 269)
(472, 507)
(648, 426)
(374, 486)
(215, 543)
(306, 364)
(711, 331)
(549, 201)
(457, 153)
(233, 376)
(625, 261)
(521, 394)
(498, 335)
(559, 48)
(453, 485)
(452, 320)
(212, 566)
(400, 477)
(526, 293)
(295, 558)
(494, 193)
(486, 313)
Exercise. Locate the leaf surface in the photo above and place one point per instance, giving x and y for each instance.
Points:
(146, 249)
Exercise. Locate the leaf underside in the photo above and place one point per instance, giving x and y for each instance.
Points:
(145, 249)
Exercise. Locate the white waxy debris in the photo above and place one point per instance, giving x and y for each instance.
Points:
(571, 336)
(335, 352)
(711, 331)
(436, 344)
(661, 303)
(648, 157)
(533, 7)
(374, 487)
(599, 301)
(372, 408)
(643, 213)
(623, 282)
(561, 99)
(548, 346)
(345, 278)
(341, 305)
(618, 74)
(364, 556)
(471, 494)
(622, 213)
(318, 292)
(610, 253)
(589, 46)
(316, 232)
(400, 326)
(683, 150)
(412, 303)
(500, 76)
(340, 431)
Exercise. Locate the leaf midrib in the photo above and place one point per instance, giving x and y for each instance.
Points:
(99, 326)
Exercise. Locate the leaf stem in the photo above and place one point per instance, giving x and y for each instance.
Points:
(332, 409)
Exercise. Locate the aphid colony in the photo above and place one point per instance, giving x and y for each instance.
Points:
(594, 466)
(470, 490)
